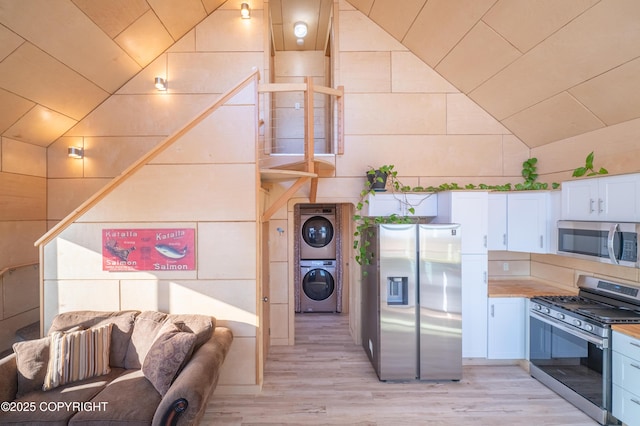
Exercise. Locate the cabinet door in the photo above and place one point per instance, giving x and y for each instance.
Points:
(618, 198)
(470, 209)
(497, 239)
(579, 199)
(474, 306)
(506, 328)
(527, 222)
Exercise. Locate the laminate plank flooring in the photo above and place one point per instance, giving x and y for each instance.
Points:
(325, 379)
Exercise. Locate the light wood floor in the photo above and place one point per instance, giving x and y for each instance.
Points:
(327, 379)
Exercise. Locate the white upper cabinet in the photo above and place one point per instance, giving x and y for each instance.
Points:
(469, 209)
(497, 221)
(527, 229)
(608, 198)
(400, 203)
(524, 221)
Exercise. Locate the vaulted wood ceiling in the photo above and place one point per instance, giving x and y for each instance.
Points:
(546, 69)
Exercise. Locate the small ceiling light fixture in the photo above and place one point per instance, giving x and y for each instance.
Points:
(300, 29)
(160, 83)
(75, 152)
(300, 41)
(245, 13)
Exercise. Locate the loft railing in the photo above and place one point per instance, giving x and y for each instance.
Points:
(304, 112)
(281, 114)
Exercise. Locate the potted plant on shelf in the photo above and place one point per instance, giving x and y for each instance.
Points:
(378, 179)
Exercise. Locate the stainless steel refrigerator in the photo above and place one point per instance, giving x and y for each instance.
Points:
(411, 301)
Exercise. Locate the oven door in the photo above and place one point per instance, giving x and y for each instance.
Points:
(573, 363)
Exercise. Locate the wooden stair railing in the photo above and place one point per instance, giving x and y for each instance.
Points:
(309, 169)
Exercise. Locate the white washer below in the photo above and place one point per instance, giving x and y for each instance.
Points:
(318, 289)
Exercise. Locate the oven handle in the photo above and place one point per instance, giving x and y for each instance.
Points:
(612, 233)
(600, 342)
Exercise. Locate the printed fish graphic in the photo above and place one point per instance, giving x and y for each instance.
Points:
(170, 252)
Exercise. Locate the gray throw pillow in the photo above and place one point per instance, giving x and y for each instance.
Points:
(168, 354)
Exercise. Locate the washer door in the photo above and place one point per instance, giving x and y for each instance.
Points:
(317, 231)
(318, 284)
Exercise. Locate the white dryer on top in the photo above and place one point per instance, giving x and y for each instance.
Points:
(318, 232)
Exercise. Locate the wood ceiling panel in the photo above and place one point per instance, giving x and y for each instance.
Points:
(441, 24)
(77, 43)
(40, 126)
(363, 6)
(113, 16)
(12, 107)
(9, 41)
(600, 39)
(613, 96)
(478, 56)
(179, 20)
(526, 23)
(40, 78)
(211, 5)
(559, 117)
(315, 13)
(359, 33)
(396, 20)
(145, 39)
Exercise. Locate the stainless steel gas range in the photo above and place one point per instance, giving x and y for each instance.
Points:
(570, 342)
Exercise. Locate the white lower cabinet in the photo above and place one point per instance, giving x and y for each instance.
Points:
(506, 328)
(474, 305)
(626, 379)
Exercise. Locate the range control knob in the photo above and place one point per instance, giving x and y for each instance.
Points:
(537, 307)
(588, 327)
(559, 315)
(546, 310)
(577, 322)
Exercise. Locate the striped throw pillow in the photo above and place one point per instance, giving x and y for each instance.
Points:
(77, 356)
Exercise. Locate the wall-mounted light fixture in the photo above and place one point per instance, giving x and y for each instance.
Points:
(160, 83)
(300, 29)
(245, 12)
(75, 152)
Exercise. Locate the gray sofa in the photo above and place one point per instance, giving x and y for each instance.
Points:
(162, 370)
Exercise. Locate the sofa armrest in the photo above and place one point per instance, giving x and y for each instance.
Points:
(196, 382)
(8, 378)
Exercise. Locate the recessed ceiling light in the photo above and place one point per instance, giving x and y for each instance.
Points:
(300, 29)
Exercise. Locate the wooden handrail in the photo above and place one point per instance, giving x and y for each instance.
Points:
(11, 268)
(117, 181)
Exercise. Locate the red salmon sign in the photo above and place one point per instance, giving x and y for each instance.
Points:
(148, 249)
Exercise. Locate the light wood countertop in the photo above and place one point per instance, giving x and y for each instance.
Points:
(525, 287)
(632, 330)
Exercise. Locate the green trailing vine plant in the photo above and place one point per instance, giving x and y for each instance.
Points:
(588, 167)
(387, 173)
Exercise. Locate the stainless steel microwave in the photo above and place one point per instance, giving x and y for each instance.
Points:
(614, 243)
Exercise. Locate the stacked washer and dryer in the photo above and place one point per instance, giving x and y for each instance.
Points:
(318, 286)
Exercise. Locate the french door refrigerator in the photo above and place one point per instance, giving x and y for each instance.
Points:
(411, 301)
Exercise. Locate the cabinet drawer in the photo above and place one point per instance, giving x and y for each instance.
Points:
(626, 372)
(626, 406)
(626, 345)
